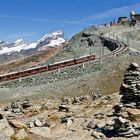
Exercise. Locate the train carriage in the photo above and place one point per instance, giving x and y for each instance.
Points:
(39, 69)
(118, 48)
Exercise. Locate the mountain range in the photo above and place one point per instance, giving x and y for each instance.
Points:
(14, 50)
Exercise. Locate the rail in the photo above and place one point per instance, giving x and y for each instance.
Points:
(119, 46)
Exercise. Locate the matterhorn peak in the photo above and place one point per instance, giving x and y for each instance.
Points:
(53, 39)
(53, 35)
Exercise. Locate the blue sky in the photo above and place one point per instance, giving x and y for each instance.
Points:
(31, 19)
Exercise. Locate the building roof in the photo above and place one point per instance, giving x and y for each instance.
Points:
(137, 15)
(121, 17)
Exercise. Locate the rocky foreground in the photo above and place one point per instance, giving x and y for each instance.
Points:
(79, 118)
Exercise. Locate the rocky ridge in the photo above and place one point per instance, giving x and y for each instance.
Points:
(79, 117)
(20, 49)
(67, 118)
(124, 121)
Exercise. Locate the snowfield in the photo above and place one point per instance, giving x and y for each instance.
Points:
(54, 39)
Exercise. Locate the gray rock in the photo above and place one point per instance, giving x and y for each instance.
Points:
(133, 85)
(76, 100)
(97, 135)
(91, 125)
(101, 124)
(118, 107)
(134, 65)
(136, 132)
(99, 115)
(25, 104)
(127, 133)
(17, 110)
(107, 97)
(131, 105)
(122, 120)
(67, 119)
(65, 101)
(110, 123)
(96, 96)
(10, 115)
(69, 122)
(31, 124)
(16, 104)
(63, 108)
(38, 123)
(138, 86)
(135, 73)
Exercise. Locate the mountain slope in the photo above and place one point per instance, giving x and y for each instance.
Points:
(14, 50)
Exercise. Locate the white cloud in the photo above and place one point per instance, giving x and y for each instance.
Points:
(112, 13)
(19, 35)
(43, 20)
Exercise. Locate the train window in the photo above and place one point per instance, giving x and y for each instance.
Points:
(8, 76)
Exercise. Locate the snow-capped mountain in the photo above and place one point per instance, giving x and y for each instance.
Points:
(18, 41)
(54, 39)
(10, 51)
(1, 41)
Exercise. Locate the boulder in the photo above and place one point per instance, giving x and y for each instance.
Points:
(38, 123)
(31, 124)
(138, 86)
(110, 123)
(25, 103)
(77, 100)
(134, 65)
(122, 120)
(101, 124)
(64, 108)
(67, 119)
(91, 125)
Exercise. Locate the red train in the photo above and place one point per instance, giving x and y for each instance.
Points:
(40, 69)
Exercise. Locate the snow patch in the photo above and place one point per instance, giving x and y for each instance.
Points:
(18, 41)
(30, 46)
(6, 50)
(53, 39)
(55, 34)
(56, 42)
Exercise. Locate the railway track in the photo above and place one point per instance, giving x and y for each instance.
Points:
(117, 46)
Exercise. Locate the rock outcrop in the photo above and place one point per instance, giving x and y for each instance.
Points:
(126, 117)
(130, 89)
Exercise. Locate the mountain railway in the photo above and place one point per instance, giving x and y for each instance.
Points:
(116, 47)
